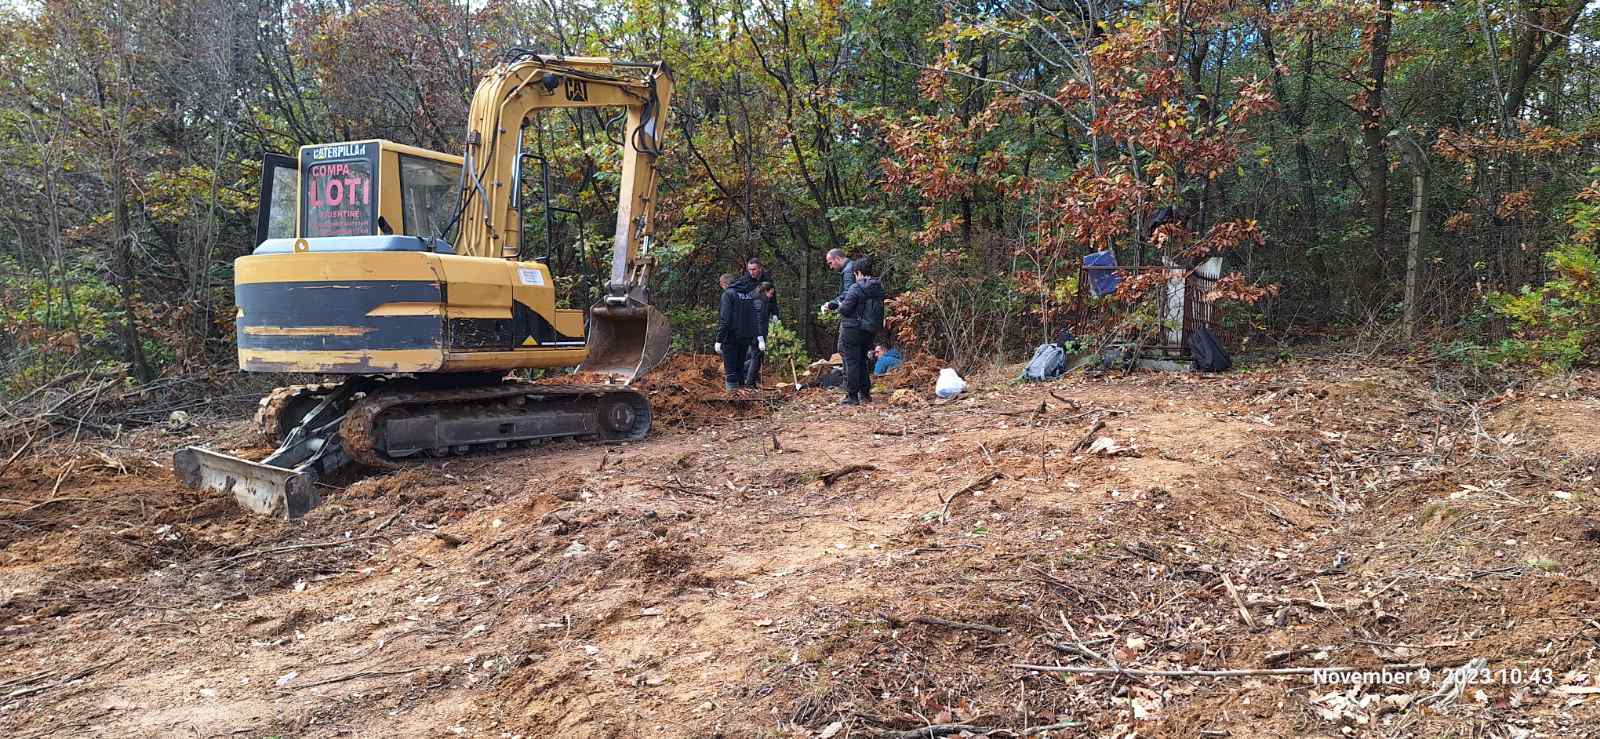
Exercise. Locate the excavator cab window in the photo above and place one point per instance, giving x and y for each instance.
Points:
(427, 195)
(280, 178)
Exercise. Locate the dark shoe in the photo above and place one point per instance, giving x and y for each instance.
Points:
(865, 399)
(850, 400)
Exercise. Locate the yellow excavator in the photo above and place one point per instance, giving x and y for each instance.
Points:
(404, 270)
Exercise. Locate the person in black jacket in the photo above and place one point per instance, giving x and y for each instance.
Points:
(751, 283)
(860, 317)
(764, 300)
(753, 275)
(847, 275)
(736, 331)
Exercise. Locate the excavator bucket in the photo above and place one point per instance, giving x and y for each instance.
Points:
(261, 488)
(626, 341)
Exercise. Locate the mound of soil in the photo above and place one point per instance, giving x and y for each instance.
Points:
(918, 373)
(686, 391)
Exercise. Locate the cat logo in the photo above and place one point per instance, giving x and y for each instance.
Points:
(529, 342)
(577, 90)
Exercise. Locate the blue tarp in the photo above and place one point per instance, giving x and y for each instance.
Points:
(1103, 275)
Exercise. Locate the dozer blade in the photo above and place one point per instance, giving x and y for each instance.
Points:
(262, 488)
(626, 341)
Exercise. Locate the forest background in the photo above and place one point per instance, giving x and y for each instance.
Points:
(1423, 173)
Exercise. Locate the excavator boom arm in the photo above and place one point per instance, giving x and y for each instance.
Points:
(516, 90)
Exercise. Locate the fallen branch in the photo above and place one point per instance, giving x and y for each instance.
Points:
(14, 455)
(944, 515)
(388, 520)
(938, 730)
(353, 676)
(56, 488)
(41, 504)
(79, 675)
(1031, 730)
(1409, 666)
(936, 621)
(68, 377)
(829, 478)
(1227, 582)
(1084, 650)
(295, 547)
(1073, 404)
(1088, 437)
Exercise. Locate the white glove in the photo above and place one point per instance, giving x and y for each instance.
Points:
(761, 343)
(717, 347)
(830, 306)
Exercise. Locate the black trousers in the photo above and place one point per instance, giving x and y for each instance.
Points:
(733, 355)
(752, 367)
(854, 345)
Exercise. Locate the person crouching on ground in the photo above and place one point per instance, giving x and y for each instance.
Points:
(736, 331)
(860, 317)
(885, 358)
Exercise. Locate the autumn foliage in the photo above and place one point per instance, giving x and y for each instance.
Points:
(1150, 141)
(978, 149)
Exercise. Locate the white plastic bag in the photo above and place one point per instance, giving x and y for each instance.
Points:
(950, 384)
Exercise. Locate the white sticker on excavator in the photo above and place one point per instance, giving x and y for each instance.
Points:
(530, 277)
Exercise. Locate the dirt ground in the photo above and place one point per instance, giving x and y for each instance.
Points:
(775, 565)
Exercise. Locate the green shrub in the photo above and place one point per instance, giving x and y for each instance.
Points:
(1557, 325)
(45, 330)
(786, 353)
(694, 328)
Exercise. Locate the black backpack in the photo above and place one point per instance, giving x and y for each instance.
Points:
(1207, 351)
(872, 315)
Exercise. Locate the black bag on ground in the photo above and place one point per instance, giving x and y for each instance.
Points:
(1207, 351)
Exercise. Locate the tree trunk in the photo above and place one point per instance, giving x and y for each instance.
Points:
(133, 348)
(122, 249)
(1373, 131)
(1419, 200)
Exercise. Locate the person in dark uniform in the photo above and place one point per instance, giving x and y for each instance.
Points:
(736, 332)
(750, 282)
(860, 317)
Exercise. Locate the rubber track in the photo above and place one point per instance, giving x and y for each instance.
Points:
(358, 432)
